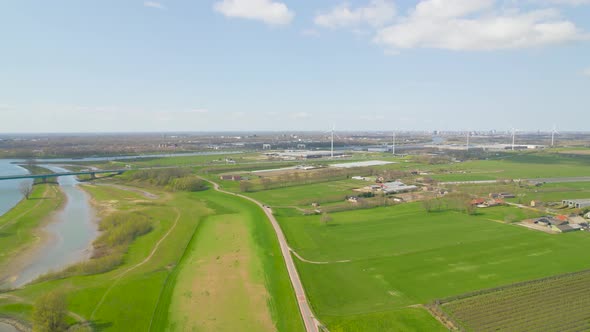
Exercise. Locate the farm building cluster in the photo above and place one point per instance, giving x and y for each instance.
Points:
(390, 187)
(576, 203)
(559, 223)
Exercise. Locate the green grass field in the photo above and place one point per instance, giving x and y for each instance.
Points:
(401, 256)
(517, 166)
(136, 295)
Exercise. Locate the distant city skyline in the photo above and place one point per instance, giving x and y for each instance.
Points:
(272, 65)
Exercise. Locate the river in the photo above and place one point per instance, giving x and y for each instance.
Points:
(9, 192)
(70, 234)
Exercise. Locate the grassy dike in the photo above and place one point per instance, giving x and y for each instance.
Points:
(19, 227)
(232, 275)
(139, 294)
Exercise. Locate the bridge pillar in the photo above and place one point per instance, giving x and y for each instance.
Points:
(44, 180)
(93, 176)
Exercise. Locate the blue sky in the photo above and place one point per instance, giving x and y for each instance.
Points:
(180, 65)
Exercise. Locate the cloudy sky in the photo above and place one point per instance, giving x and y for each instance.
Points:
(199, 65)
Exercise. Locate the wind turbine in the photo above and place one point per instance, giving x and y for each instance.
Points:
(468, 134)
(553, 132)
(513, 137)
(393, 143)
(332, 143)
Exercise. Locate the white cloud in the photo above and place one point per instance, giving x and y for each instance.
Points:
(268, 11)
(376, 13)
(475, 25)
(566, 2)
(153, 4)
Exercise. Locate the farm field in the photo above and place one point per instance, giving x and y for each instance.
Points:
(525, 166)
(304, 195)
(517, 308)
(386, 260)
(135, 295)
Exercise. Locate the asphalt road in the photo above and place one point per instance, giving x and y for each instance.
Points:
(311, 323)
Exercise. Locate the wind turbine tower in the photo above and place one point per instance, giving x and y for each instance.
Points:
(468, 134)
(332, 144)
(553, 136)
(513, 136)
(393, 144)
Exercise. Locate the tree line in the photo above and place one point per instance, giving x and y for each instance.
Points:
(177, 179)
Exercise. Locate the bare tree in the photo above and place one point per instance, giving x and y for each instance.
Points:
(246, 186)
(326, 218)
(26, 189)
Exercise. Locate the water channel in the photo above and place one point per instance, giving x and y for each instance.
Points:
(67, 238)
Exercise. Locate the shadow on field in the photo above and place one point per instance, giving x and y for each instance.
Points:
(98, 325)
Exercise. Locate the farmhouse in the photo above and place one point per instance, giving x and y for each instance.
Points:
(483, 203)
(477, 201)
(577, 203)
(536, 203)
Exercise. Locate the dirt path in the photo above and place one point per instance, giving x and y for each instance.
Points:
(131, 268)
(311, 323)
(314, 262)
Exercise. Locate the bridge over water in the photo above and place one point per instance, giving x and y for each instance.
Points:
(92, 174)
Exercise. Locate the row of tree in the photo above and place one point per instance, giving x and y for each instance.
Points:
(455, 201)
(178, 179)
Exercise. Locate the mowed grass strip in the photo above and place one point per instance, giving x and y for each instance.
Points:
(518, 308)
(402, 256)
(232, 277)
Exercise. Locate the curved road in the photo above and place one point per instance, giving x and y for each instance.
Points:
(311, 323)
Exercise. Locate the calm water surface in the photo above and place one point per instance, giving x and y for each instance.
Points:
(9, 193)
(71, 233)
